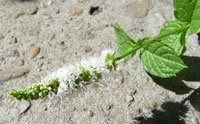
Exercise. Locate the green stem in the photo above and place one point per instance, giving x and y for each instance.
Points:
(170, 32)
(155, 38)
(128, 52)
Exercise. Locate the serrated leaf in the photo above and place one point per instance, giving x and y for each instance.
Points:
(160, 60)
(195, 22)
(177, 40)
(124, 42)
(188, 11)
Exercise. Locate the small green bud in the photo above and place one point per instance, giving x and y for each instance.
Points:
(35, 91)
(110, 62)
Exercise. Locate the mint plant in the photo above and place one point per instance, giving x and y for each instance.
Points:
(161, 55)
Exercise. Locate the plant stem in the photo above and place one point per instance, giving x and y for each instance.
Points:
(155, 38)
(135, 48)
(170, 32)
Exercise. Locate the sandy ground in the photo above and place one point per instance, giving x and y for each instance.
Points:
(62, 32)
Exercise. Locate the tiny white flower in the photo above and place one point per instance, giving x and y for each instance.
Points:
(49, 88)
(41, 88)
(69, 73)
(40, 94)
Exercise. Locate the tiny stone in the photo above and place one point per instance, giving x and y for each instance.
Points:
(14, 40)
(129, 98)
(41, 57)
(41, 64)
(33, 52)
(58, 11)
(150, 105)
(20, 62)
(109, 107)
(88, 49)
(1, 36)
(77, 12)
(138, 9)
(17, 14)
(72, 109)
(18, 72)
(110, 33)
(62, 42)
(79, 19)
(14, 53)
(91, 114)
(33, 10)
(107, 18)
(49, 2)
(131, 92)
(24, 106)
(39, 69)
(87, 25)
(50, 37)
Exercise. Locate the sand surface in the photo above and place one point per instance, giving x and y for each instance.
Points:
(63, 32)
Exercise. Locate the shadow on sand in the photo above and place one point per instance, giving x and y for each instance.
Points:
(172, 112)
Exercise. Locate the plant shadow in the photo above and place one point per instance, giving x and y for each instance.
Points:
(176, 84)
(194, 99)
(171, 113)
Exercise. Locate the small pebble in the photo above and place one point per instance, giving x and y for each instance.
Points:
(33, 52)
(131, 92)
(1, 36)
(150, 105)
(58, 11)
(50, 36)
(91, 114)
(17, 14)
(87, 25)
(17, 72)
(110, 33)
(13, 40)
(77, 12)
(88, 49)
(129, 98)
(138, 9)
(109, 107)
(14, 53)
(33, 10)
(72, 109)
(39, 69)
(107, 18)
(20, 62)
(49, 2)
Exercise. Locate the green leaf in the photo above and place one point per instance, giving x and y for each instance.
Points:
(177, 40)
(188, 11)
(124, 42)
(160, 60)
